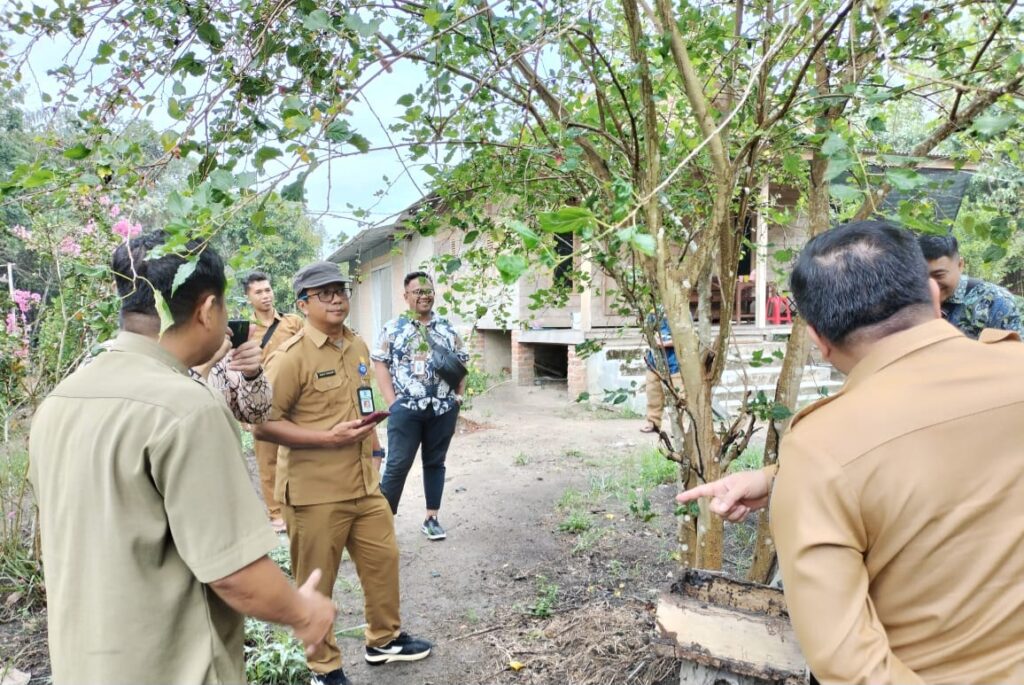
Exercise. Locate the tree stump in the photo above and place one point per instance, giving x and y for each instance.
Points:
(728, 632)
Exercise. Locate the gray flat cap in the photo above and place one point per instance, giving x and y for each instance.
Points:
(317, 274)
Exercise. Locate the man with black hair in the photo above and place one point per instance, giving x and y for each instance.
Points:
(271, 329)
(154, 545)
(424, 406)
(898, 508)
(970, 304)
(326, 480)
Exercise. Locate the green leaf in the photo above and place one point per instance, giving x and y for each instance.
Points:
(222, 180)
(182, 274)
(264, 155)
(644, 242)
(905, 179)
(338, 131)
(245, 179)
(174, 109)
(366, 29)
(837, 165)
(298, 122)
(432, 17)
(793, 164)
(39, 177)
(209, 34)
(566, 220)
(78, 151)
(511, 267)
(530, 238)
(783, 255)
(452, 266)
(876, 124)
(993, 253)
(360, 143)
(178, 88)
(845, 193)
(317, 20)
(993, 124)
(406, 100)
(178, 206)
(583, 397)
(166, 318)
(833, 144)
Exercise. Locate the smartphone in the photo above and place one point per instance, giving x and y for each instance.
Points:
(239, 331)
(375, 417)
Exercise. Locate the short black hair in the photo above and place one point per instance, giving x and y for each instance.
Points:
(936, 246)
(254, 277)
(136, 276)
(416, 275)
(858, 275)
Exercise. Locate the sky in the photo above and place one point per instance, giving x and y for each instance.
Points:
(333, 186)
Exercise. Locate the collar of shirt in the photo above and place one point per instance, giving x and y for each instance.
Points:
(149, 347)
(319, 338)
(898, 345)
(960, 292)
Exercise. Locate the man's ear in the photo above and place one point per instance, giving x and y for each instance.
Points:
(933, 288)
(303, 306)
(824, 345)
(960, 262)
(205, 313)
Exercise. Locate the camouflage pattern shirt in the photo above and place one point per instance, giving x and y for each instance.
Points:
(978, 304)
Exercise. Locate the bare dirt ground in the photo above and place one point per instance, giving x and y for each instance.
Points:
(552, 566)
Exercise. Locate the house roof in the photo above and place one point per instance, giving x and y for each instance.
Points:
(945, 189)
(374, 236)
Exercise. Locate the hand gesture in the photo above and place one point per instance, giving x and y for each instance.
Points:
(247, 358)
(319, 612)
(734, 496)
(349, 432)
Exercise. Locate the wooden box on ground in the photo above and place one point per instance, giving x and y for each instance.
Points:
(728, 632)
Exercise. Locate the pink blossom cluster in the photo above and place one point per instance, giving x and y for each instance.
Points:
(90, 228)
(21, 232)
(70, 247)
(12, 323)
(126, 229)
(25, 299)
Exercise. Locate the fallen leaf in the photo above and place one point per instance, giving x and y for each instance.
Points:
(516, 665)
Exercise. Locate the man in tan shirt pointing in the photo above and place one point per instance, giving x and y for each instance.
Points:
(898, 508)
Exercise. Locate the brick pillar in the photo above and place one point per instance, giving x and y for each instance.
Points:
(476, 348)
(577, 373)
(522, 361)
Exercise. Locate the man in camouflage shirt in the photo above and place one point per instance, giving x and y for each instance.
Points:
(970, 304)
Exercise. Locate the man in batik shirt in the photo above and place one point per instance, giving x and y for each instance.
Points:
(424, 408)
(970, 304)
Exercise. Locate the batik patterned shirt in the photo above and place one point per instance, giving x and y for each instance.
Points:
(977, 304)
(403, 349)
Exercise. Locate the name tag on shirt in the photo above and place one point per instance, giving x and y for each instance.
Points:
(326, 374)
(419, 367)
(365, 401)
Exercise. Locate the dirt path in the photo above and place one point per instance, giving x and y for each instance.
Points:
(472, 593)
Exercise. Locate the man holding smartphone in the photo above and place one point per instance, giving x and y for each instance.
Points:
(326, 481)
(270, 329)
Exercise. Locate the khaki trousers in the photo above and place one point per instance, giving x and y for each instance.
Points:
(266, 464)
(366, 528)
(656, 396)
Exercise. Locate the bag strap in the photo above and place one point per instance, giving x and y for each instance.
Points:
(269, 333)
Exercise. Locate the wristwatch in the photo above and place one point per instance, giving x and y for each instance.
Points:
(379, 453)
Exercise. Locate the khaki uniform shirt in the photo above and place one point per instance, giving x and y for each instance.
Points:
(143, 498)
(289, 326)
(898, 514)
(315, 386)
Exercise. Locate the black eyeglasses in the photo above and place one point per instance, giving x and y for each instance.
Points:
(326, 296)
(422, 292)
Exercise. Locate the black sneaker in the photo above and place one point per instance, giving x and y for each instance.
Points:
(335, 677)
(403, 648)
(433, 530)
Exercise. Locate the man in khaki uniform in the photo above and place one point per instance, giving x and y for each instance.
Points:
(271, 329)
(326, 481)
(153, 542)
(898, 509)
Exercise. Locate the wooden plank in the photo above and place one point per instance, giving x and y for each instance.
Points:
(720, 590)
(736, 641)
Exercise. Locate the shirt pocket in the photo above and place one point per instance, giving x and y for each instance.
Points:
(328, 383)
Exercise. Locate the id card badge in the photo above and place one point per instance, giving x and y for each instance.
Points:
(419, 367)
(365, 401)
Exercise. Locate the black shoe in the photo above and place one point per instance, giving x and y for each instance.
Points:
(335, 677)
(403, 648)
(433, 530)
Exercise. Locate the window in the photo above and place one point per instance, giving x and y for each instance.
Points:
(563, 269)
(380, 294)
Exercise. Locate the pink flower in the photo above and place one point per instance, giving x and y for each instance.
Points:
(90, 228)
(104, 201)
(22, 352)
(21, 232)
(25, 299)
(12, 323)
(127, 229)
(115, 210)
(69, 247)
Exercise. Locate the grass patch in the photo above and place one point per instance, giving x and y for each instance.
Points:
(576, 522)
(547, 597)
(571, 499)
(588, 539)
(751, 459)
(20, 569)
(272, 655)
(521, 459)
